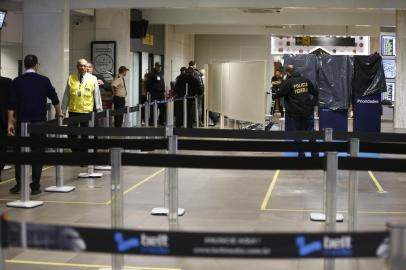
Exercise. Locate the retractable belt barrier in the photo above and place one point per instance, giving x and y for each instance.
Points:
(185, 144)
(195, 244)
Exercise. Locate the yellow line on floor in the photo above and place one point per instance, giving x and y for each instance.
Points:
(12, 179)
(270, 189)
(376, 182)
(319, 210)
(143, 181)
(83, 265)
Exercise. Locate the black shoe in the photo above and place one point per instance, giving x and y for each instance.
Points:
(35, 191)
(301, 155)
(15, 189)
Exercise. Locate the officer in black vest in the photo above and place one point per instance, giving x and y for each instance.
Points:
(300, 98)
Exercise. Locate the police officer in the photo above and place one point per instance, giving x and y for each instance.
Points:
(300, 98)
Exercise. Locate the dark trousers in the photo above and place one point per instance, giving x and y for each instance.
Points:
(3, 133)
(300, 123)
(36, 167)
(142, 101)
(179, 113)
(83, 124)
(119, 103)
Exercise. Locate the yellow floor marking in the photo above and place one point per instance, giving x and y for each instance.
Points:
(143, 181)
(12, 179)
(270, 189)
(319, 210)
(83, 265)
(376, 182)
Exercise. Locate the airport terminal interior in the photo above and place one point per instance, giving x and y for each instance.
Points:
(352, 52)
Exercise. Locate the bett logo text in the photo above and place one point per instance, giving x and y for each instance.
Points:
(327, 246)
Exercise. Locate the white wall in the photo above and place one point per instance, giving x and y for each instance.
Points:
(179, 50)
(82, 33)
(12, 32)
(9, 60)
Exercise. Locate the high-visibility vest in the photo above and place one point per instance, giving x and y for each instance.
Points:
(81, 95)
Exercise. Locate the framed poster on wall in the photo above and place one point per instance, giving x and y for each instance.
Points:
(389, 67)
(388, 45)
(103, 55)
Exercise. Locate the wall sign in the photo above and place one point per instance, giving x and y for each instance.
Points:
(388, 45)
(103, 56)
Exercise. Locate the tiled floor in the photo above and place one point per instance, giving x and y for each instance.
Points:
(215, 200)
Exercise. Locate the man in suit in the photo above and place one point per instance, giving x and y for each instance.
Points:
(28, 103)
(5, 84)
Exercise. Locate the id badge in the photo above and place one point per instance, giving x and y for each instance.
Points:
(158, 78)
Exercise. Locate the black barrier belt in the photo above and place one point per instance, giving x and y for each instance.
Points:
(98, 131)
(143, 144)
(135, 108)
(263, 146)
(372, 164)
(223, 162)
(207, 162)
(382, 147)
(100, 115)
(248, 134)
(371, 136)
(163, 160)
(196, 244)
(86, 117)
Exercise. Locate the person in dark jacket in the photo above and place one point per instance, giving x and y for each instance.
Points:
(5, 85)
(27, 103)
(156, 87)
(199, 77)
(185, 78)
(300, 98)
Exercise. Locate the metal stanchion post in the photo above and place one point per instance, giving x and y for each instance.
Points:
(173, 186)
(353, 188)
(155, 113)
(331, 202)
(90, 169)
(2, 257)
(197, 111)
(59, 172)
(146, 115)
(127, 117)
(328, 137)
(397, 247)
(106, 124)
(185, 106)
(168, 133)
(139, 116)
(24, 201)
(117, 200)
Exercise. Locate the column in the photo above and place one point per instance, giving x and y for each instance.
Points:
(46, 34)
(400, 94)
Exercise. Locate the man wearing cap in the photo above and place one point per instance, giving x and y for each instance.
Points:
(156, 87)
(119, 94)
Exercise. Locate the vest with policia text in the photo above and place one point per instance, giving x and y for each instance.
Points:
(81, 95)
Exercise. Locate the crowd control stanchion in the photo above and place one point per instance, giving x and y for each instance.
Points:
(59, 187)
(197, 111)
(90, 169)
(331, 200)
(146, 115)
(353, 188)
(328, 137)
(24, 201)
(185, 106)
(161, 211)
(155, 113)
(117, 201)
(139, 116)
(396, 247)
(127, 117)
(173, 186)
(106, 124)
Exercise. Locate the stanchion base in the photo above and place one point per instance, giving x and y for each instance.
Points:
(63, 189)
(90, 175)
(161, 211)
(103, 168)
(7, 167)
(27, 204)
(322, 217)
